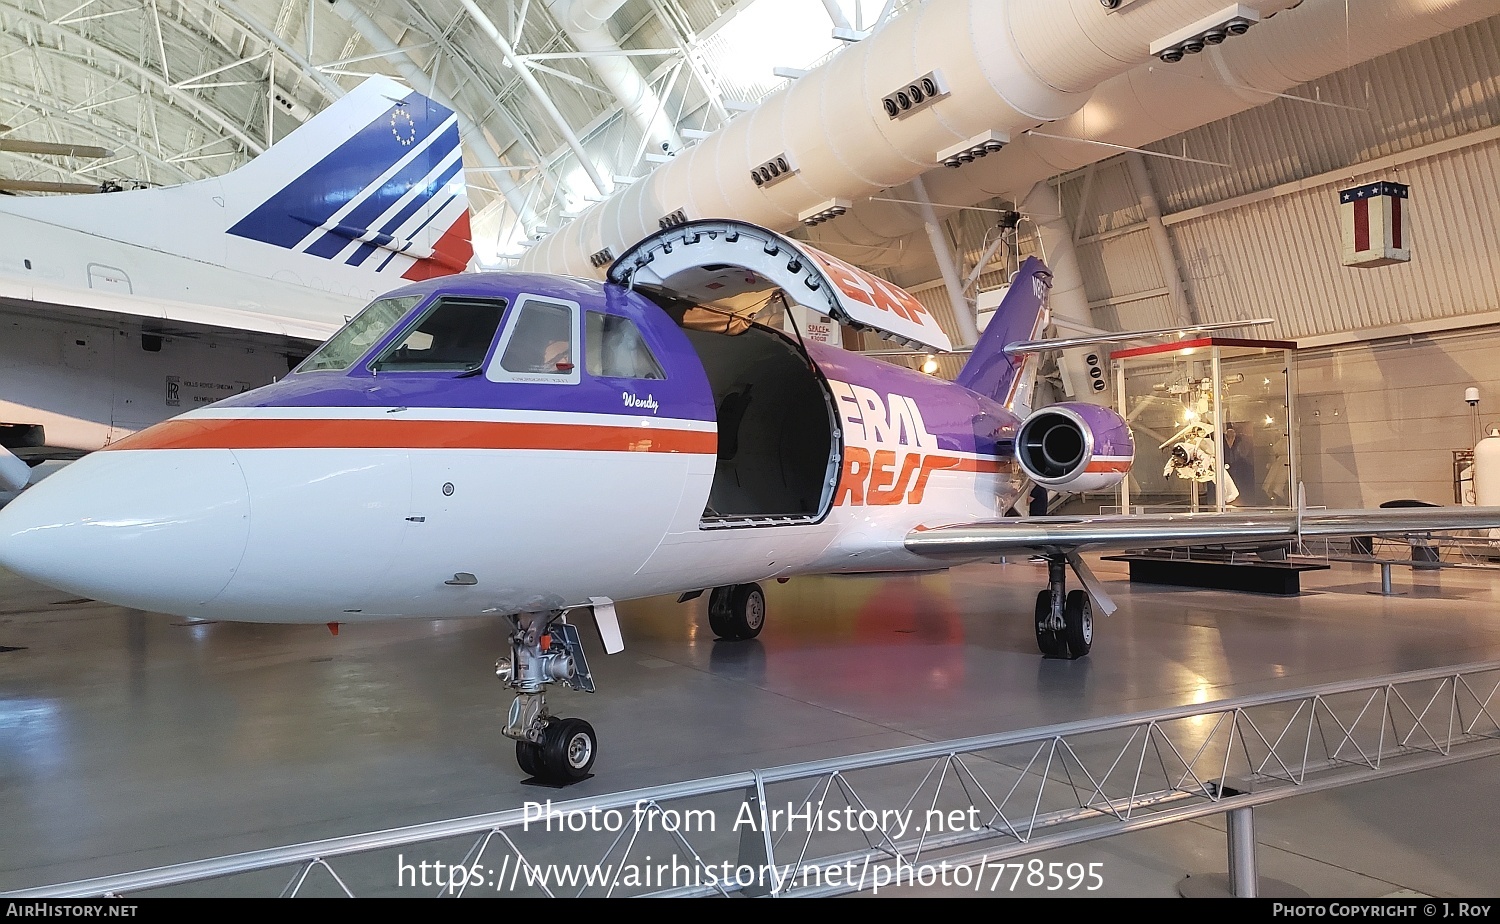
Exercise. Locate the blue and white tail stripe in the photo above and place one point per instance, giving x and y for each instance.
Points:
(452, 208)
(408, 179)
(396, 185)
(410, 215)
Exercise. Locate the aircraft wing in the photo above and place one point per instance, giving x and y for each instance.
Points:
(1143, 531)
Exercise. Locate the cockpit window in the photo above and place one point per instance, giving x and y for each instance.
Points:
(615, 349)
(540, 343)
(455, 333)
(355, 338)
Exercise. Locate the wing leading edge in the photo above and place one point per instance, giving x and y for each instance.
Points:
(1078, 534)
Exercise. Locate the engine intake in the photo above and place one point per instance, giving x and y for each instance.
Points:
(1075, 447)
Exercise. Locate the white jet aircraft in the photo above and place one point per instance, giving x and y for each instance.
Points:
(531, 446)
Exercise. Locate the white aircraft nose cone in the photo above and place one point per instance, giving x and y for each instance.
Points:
(160, 530)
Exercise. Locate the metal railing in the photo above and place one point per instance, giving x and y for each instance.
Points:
(959, 810)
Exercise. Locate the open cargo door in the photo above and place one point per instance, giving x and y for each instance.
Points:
(712, 261)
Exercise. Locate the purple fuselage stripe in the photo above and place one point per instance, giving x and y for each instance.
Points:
(961, 420)
(683, 394)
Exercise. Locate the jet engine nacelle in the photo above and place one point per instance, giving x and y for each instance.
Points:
(1075, 447)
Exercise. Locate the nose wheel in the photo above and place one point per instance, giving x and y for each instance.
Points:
(568, 747)
(551, 750)
(564, 755)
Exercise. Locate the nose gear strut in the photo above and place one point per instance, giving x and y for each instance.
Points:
(544, 649)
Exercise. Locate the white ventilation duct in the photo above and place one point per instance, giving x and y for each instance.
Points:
(585, 15)
(1008, 66)
(586, 24)
(1156, 101)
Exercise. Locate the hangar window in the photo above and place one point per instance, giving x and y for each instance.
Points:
(615, 349)
(455, 333)
(356, 337)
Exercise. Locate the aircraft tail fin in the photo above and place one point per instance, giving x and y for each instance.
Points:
(1021, 316)
(375, 181)
(366, 193)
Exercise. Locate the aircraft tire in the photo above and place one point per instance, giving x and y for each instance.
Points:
(567, 750)
(747, 611)
(737, 612)
(1078, 623)
(1049, 641)
(529, 757)
(718, 612)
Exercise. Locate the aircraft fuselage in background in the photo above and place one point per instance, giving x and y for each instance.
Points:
(122, 309)
(74, 380)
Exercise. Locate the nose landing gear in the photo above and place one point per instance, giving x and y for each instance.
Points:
(544, 650)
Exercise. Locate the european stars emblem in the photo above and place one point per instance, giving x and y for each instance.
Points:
(403, 128)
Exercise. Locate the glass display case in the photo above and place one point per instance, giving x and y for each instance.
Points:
(1193, 403)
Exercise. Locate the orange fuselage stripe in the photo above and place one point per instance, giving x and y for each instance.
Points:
(264, 433)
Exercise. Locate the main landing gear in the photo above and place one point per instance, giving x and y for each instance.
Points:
(543, 650)
(1064, 620)
(737, 611)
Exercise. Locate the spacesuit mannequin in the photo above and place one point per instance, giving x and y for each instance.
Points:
(1193, 460)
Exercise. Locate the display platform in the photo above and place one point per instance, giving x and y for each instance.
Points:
(1248, 575)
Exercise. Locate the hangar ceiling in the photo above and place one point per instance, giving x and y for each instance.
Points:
(179, 90)
(567, 101)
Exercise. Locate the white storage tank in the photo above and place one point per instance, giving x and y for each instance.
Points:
(1487, 470)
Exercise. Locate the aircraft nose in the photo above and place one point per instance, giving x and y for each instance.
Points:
(160, 530)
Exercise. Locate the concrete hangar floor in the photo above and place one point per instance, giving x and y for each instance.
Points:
(130, 740)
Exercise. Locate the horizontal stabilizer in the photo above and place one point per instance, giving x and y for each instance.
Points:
(1065, 343)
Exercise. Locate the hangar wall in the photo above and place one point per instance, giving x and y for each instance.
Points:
(1260, 238)
(1380, 419)
(1380, 416)
(1279, 258)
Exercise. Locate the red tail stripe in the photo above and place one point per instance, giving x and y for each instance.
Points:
(451, 253)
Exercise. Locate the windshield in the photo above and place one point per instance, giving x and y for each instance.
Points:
(357, 337)
(453, 334)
